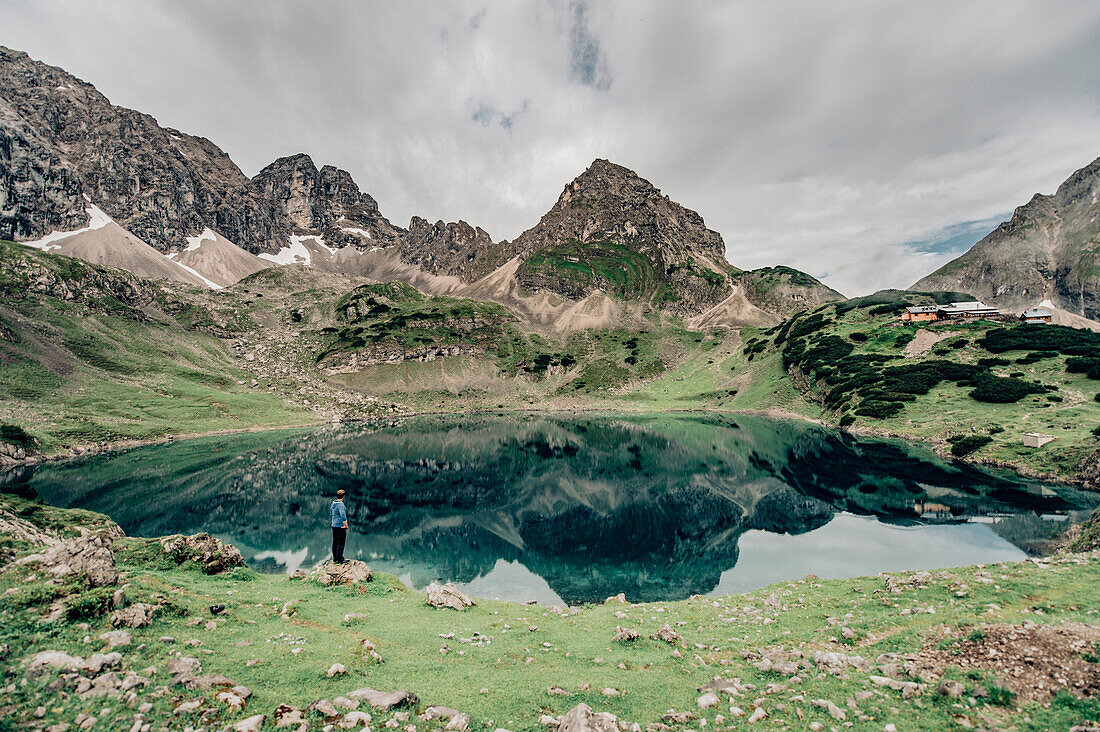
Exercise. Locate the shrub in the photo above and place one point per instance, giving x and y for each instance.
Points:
(962, 445)
(1042, 337)
(848, 419)
(959, 343)
(16, 435)
(242, 574)
(998, 390)
(1089, 366)
(90, 604)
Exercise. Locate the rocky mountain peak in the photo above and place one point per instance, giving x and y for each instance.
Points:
(454, 248)
(1048, 250)
(613, 230)
(325, 201)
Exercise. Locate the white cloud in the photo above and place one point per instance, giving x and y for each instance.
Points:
(819, 135)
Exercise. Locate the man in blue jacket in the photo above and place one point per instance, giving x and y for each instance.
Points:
(339, 518)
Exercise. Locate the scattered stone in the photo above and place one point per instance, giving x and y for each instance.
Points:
(211, 554)
(230, 699)
(757, 715)
(138, 615)
(327, 708)
(447, 596)
(371, 650)
(384, 700)
(557, 691)
(184, 666)
(342, 702)
(336, 668)
(354, 616)
(581, 718)
(834, 711)
(55, 660)
(187, 707)
(657, 727)
(547, 721)
(249, 724)
(99, 661)
(619, 598)
(438, 712)
(668, 635)
(708, 700)
(625, 635)
(116, 638)
(460, 722)
(677, 717)
(288, 716)
(351, 720)
(951, 688)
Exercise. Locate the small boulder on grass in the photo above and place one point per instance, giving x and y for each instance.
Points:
(581, 718)
(625, 635)
(213, 555)
(447, 596)
(349, 573)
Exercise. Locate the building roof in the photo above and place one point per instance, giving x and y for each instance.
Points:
(1037, 313)
(922, 309)
(973, 306)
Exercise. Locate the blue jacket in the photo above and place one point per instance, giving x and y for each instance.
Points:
(339, 516)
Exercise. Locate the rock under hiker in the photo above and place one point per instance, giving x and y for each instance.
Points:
(339, 516)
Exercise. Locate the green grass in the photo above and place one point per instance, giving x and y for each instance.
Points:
(532, 648)
(575, 269)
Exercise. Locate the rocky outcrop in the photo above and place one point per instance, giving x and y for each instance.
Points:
(612, 230)
(213, 555)
(1049, 249)
(89, 555)
(65, 140)
(325, 202)
(455, 249)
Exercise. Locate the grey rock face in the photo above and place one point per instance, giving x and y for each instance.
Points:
(325, 202)
(158, 183)
(89, 555)
(1049, 249)
(455, 248)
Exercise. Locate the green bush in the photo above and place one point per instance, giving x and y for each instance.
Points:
(999, 390)
(16, 435)
(848, 419)
(1089, 366)
(242, 574)
(858, 337)
(962, 445)
(89, 604)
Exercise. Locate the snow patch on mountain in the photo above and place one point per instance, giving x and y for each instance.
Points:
(96, 220)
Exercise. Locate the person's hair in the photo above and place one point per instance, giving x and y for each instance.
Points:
(340, 493)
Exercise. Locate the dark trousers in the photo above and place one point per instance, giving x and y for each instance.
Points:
(339, 536)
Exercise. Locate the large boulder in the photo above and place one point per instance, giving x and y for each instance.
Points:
(581, 718)
(349, 573)
(89, 555)
(213, 555)
(138, 615)
(447, 596)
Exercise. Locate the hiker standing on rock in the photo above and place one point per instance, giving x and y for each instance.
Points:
(339, 527)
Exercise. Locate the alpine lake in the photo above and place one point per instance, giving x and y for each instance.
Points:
(574, 508)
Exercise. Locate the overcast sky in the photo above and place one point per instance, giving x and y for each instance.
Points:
(863, 142)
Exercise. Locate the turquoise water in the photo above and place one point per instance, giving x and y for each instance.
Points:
(575, 508)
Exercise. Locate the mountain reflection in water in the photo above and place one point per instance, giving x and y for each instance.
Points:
(574, 509)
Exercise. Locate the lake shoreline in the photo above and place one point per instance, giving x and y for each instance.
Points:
(939, 447)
